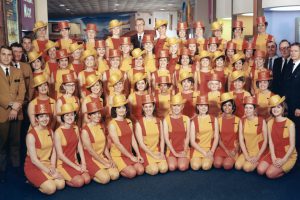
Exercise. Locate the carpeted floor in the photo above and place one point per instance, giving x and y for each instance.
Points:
(213, 184)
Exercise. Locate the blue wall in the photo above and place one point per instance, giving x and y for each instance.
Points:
(282, 24)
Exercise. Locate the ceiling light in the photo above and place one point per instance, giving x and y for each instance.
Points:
(115, 8)
(248, 14)
(226, 18)
(162, 9)
(286, 8)
(67, 9)
(170, 4)
(117, 4)
(61, 5)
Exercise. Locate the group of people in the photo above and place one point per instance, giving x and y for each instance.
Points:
(133, 105)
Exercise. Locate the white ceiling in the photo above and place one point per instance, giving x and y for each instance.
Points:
(88, 7)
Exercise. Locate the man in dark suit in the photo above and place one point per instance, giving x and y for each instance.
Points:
(291, 89)
(12, 92)
(271, 54)
(137, 38)
(280, 66)
(27, 46)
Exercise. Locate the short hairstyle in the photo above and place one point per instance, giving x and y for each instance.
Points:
(197, 111)
(284, 40)
(113, 111)
(16, 44)
(140, 19)
(191, 79)
(296, 44)
(233, 29)
(5, 47)
(154, 111)
(190, 59)
(242, 78)
(269, 86)
(285, 109)
(270, 41)
(232, 103)
(26, 37)
(63, 119)
(146, 88)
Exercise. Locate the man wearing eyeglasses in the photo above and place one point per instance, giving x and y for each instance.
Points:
(280, 66)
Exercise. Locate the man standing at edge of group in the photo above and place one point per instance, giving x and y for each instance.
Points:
(137, 38)
(12, 92)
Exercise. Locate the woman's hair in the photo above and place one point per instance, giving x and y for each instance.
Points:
(285, 109)
(190, 60)
(146, 88)
(39, 58)
(233, 29)
(154, 111)
(269, 86)
(232, 103)
(242, 78)
(113, 111)
(191, 79)
(197, 111)
(63, 117)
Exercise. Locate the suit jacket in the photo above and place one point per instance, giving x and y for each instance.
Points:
(12, 89)
(28, 80)
(278, 76)
(135, 41)
(291, 88)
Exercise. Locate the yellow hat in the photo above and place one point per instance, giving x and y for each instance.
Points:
(172, 41)
(185, 75)
(237, 74)
(114, 79)
(34, 55)
(203, 54)
(138, 77)
(236, 57)
(38, 25)
(119, 100)
(160, 22)
(50, 44)
(91, 80)
(276, 100)
(137, 52)
(67, 108)
(177, 99)
(114, 23)
(87, 53)
(39, 80)
(74, 46)
(226, 97)
(218, 54)
(216, 26)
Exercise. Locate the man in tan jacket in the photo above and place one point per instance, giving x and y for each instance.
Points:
(12, 92)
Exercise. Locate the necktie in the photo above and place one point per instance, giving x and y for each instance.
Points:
(270, 64)
(284, 65)
(6, 71)
(140, 41)
(16, 65)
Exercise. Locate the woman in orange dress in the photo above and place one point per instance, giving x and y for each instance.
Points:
(204, 136)
(203, 75)
(40, 164)
(40, 30)
(228, 150)
(67, 144)
(253, 138)
(98, 159)
(176, 135)
(163, 97)
(149, 134)
(281, 134)
(123, 140)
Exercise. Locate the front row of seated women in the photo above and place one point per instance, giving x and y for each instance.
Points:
(74, 157)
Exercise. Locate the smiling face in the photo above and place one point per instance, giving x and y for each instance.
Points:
(89, 62)
(65, 32)
(148, 109)
(182, 33)
(43, 120)
(69, 118)
(91, 34)
(125, 48)
(174, 49)
(237, 32)
(148, 46)
(263, 85)
(249, 110)
(101, 52)
(205, 62)
(115, 62)
(193, 48)
(259, 62)
(139, 61)
(41, 32)
(63, 63)
(163, 62)
(77, 54)
(5, 56)
(116, 31)
(220, 62)
(238, 84)
(43, 89)
(227, 108)
(185, 60)
(69, 88)
(186, 84)
(95, 117)
(238, 65)
(177, 108)
(141, 85)
(261, 28)
(214, 85)
(163, 87)
(278, 110)
(119, 87)
(52, 53)
(36, 65)
(202, 108)
(121, 111)
(97, 88)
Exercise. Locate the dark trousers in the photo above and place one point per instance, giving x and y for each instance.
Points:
(10, 143)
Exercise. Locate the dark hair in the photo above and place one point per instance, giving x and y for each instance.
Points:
(146, 88)
(16, 44)
(90, 88)
(113, 111)
(26, 37)
(232, 103)
(154, 111)
(296, 44)
(270, 41)
(285, 109)
(39, 58)
(269, 86)
(254, 106)
(284, 40)
(223, 57)
(190, 59)
(227, 49)
(63, 58)
(191, 79)
(63, 120)
(233, 29)
(5, 47)
(242, 78)
(242, 59)
(197, 111)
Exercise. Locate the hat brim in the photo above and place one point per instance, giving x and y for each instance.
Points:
(37, 28)
(277, 103)
(120, 104)
(93, 83)
(39, 55)
(66, 112)
(159, 25)
(78, 47)
(116, 25)
(178, 103)
(38, 84)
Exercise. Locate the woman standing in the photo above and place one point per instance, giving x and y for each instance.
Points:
(204, 136)
(40, 163)
(252, 137)
(123, 140)
(176, 134)
(149, 134)
(281, 134)
(228, 149)
(67, 144)
(98, 159)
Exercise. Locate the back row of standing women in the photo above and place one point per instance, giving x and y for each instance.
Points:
(194, 100)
